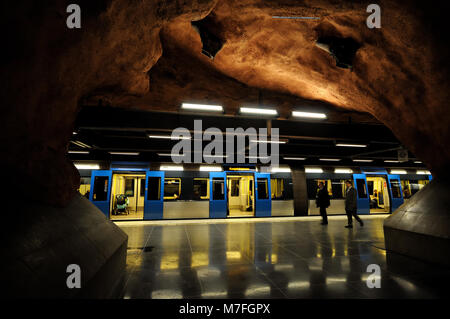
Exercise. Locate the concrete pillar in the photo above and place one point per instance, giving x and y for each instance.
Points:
(420, 228)
(300, 192)
(40, 241)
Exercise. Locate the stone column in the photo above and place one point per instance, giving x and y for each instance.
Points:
(420, 228)
(299, 190)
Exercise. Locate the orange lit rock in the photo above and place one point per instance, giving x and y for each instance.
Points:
(146, 55)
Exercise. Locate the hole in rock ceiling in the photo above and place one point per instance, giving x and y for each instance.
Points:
(211, 43)
(343, 50)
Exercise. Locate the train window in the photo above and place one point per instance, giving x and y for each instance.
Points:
(200, 188)
(142, 189)
(370, 187)
(172, 188)
(312, 186)
(423, 182)
(262, 188)
(277, 188)
(234, 189)
(327, 184)
(129, 187)
(218, 188)
(100, 188)
(154, 188)
(406, 187)
(413, 186)
(361, 185)
(338, 188)
(288, 189)
(85, 186)
(395, 188)
(416, 185)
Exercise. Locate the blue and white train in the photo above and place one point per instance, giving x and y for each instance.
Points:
(177, 192)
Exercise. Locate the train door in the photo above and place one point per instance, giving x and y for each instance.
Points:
(101, 190)
(218, 195)
(240, 195)
(360, 184)
(378, 194)
(396, 193)
(154, 195)
(127, 196)
(263, 200)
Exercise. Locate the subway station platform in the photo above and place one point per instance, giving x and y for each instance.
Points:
(271, 258)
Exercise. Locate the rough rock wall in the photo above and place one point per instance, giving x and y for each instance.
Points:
(400, 73)
(49, 68)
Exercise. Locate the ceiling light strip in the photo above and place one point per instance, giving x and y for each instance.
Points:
(311, 115)
(202, 107)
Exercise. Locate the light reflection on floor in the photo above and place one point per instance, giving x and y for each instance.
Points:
(270, 258)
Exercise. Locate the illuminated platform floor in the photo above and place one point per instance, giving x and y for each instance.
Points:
(271, 258)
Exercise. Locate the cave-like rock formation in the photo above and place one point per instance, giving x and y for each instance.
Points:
(147, 55)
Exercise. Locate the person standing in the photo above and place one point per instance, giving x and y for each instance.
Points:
(323, 201)
(350, 205)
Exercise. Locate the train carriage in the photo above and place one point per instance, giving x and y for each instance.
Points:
(216, 191)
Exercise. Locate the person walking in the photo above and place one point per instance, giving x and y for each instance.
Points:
(323, 202)
(351, 205)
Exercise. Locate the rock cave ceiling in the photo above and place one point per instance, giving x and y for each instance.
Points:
(395, 71)
(148, 55)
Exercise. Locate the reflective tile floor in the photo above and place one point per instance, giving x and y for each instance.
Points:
(271, 258)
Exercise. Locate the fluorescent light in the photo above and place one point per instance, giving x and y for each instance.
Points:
(313, 170)
(74, 133)
(391, 161)
(343, 170)
(423, 172)
(329, 159)
(280, 170)
(169, 137)
(350, 145)
(124, 153)
(168, 154)
(202, 107)
(78, 152)
(260, 111)
(311, 115)
(295, 158)
(207, 168)
(171, 168)
(398, 171)
(87, 166)
(417, 162)
(268, 142)
(258, 157)
(80, 144)
(181, 155)
(363, 160)
(215, 156)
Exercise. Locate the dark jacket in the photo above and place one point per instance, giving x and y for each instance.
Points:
(350, 199)
(322, 198)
